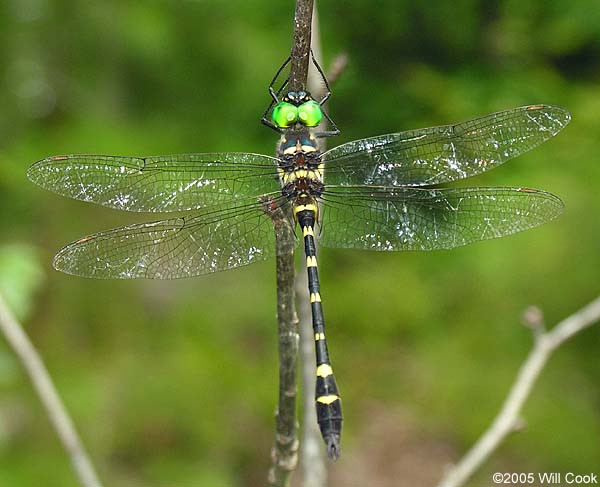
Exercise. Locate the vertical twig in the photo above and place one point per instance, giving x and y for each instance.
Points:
(284, 456)
(300, 56)
(545, 343)
(42, 384)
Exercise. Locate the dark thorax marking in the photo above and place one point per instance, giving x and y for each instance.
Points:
(300, 168)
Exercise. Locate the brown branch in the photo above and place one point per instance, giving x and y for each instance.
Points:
(507, 420)
(300, 56)
(284, 455)
(44, 388)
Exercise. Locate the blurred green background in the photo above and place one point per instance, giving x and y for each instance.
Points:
(175, 383)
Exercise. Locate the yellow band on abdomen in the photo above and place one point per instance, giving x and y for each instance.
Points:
(329, 399)
(324, 370)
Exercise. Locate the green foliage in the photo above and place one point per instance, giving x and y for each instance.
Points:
(176, 381)
(21, 276)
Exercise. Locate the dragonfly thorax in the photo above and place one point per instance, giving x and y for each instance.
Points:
(299, 145)
(300, 165)
(299, 181)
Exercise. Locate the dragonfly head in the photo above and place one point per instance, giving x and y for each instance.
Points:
(297, 97)
(297, 107)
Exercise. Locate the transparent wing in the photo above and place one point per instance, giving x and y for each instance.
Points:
(428, 219)
(157, 184)
(206, 241)
(442, 154)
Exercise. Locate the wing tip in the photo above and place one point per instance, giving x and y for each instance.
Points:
(66, 261)
(554, 204)
(561, 116)
(63, 260)
(59, 263)
(34, 172)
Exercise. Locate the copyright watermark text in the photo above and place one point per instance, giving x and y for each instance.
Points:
(553, 479)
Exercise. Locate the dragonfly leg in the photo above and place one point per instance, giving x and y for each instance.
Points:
(265, 120)
(274, 80)
(329, 133)
(334, 129)
(323, 77)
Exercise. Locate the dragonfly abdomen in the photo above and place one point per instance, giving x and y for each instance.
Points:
(327, 397)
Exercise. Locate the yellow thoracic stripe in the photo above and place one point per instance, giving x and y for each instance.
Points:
(331, 398)
(324, 370)
(315, 298)
(289, 177)
(311, 261)
(319, 336)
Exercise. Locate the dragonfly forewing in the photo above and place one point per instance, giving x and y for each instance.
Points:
(442, 154)
(160, 183)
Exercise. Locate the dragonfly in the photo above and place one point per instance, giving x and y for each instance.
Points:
(379, 193)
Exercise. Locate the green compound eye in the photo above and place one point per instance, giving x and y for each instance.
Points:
(284, 114)
(310, 113)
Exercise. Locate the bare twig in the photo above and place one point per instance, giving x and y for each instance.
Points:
(337, 68)
(507, 420)
(42, 384)
(300, 56)
(284, 455)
